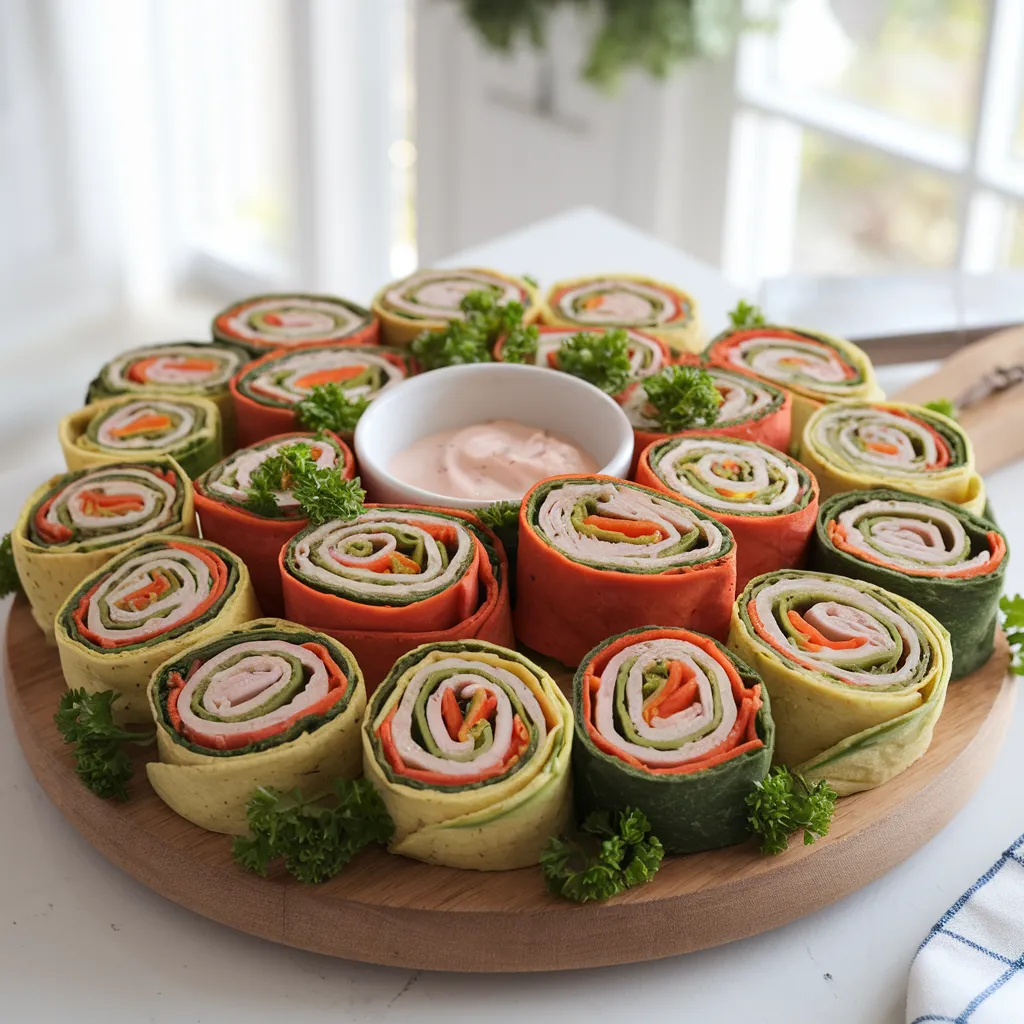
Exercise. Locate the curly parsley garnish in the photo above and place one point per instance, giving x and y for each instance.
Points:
(322, 493)
(943, 406)
(600, 359)
(86, 720)
(10, 581)
(470, 340)
(683, 397)
(746, 315)
(329, 407)
(314, 839)
(1013, 626)
(784, 803)
(606, 859)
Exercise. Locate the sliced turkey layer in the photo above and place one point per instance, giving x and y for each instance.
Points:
(283, 378)
(290, 320)
(436, 294)
(182, 421)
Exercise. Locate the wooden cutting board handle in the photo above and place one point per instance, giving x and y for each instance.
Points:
(985, 381)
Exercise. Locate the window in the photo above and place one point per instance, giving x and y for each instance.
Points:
(878, 135)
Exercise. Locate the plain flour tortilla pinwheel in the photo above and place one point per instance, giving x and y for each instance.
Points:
(267, 391)
(221, 496)
(429, 300)
(767, 499)
(934, 553)
(75, 522)
(268, 703)
(202, 368)
(397, 577)
(265, 323)
(853, 446)
(598, 555)
(146, 605)
(187, 428)
(667, 720)
(626, 300)
(857, 676)
(469, 746)
(815, 368)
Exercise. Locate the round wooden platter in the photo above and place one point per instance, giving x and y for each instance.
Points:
(388, 910)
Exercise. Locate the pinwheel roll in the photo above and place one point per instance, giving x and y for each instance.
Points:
(814, 367)
(267, 391)
(146, 605)
(257, 536)
(647, 354)
(626, 300)
(75, 522)
(934, 553)
(430, 299)
(767, 499)
(469, 745)
(850, 447)
(397, 577)
(202, 368)
(751, 409)
(265, 323)
(128, 429)
(669, 721)
(265, 703)
(598, 555)
(857, 676)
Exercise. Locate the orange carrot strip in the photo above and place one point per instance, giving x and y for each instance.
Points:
(627, 527)
(331, 376)
(815, 639)
(143, 424)
(451, 714)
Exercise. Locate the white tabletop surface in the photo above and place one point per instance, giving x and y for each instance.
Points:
(81, 941)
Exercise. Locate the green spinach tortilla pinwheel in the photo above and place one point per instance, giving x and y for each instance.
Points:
(767, 499)
(815, 368)
(146, 605)
(202, 368)
(669, 721)
(469, 746)
(854, 446)
(267, 391)
(397, 577)
(266, 703)
(429, 300)
(857, 676)
(751, 410)
(934, 553)
(72, 524)
(187, 428)
(265, 323)
(625, 300)
(598, 555)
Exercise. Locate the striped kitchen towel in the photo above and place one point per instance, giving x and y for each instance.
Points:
(970, 969)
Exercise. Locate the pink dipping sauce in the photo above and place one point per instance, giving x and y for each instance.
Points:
(499, 459)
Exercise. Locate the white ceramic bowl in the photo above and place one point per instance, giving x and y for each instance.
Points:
(462, 395)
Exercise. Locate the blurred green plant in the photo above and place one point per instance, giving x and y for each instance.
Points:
(652, 35)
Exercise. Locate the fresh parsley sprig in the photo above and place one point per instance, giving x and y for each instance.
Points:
(605, 859)
(1013, 626)
(746, 314)
(600, 359)
(520, 345)
(784, 803)
(330, 407)
(10, 581)
(683, 397)
(471, 339)
(314, 839)
(321, 492)
(87, 721)
(499, 515)
(943, 406)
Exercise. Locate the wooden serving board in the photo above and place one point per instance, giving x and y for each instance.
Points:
(388, 910)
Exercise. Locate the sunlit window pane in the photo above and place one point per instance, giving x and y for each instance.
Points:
(916, 59)
(860, 212)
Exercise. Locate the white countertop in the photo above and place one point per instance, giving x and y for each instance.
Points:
(81, 941)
